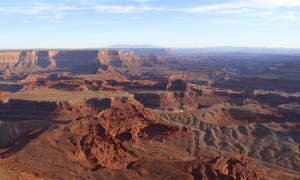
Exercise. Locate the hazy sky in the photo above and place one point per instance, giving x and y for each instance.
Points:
(170, 23)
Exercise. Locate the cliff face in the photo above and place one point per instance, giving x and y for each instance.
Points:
(201, 99)
(180, 99)
(21, 110)
(250, 84)
(73, 59)
(9, 59)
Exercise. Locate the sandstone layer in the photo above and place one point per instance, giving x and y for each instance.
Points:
(74, 59)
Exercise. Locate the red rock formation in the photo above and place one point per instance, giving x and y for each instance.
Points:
(260, 114)
(74, 59)
(231, 167)
(105, 69)
(178, 85)
(4, 94)
(120, 142)
(94, 143)
(250, 84)
(19, 110)
(181, 99)
(33, 78)
(188, 76)
(113, 88)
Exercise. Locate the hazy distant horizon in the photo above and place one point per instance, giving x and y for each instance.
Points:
(218, 49)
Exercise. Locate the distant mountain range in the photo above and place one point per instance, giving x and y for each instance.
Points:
(230, 49)
(220, 49)
(133, 46)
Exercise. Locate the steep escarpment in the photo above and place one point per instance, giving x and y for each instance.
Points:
(250, 84)
(58, 105)
(75, 59)
(203, 98)
(26, 59)
(180, 99)
(254, 113)
(19, 110)
(12, 131)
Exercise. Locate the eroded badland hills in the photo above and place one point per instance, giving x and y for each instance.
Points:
(149, 114)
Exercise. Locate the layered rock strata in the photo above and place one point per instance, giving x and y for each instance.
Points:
(93, 59)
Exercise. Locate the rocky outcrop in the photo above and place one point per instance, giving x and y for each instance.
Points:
(92, 143)
(181, 94)
(12, 131)
(118, 143)
(188, 76)
(289, 108)
(179, 99)
(20, 110)
(73, 85)
(176, 85)
(179, 85)
(260, 113)
(228, 167)
(105, 69)
(249, 84)
(4, 94)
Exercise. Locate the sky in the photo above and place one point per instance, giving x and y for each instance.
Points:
(169, 23)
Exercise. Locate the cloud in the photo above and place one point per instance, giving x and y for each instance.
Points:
(58, 16)
(26, 10)
(147, 8)
(115, 9)
(283, 18)
(270, 24)
(108, 22)
(144, 0)
(43, 17)
(263, 13)
(216, 7)
(261, 8)
(37, 8)
(244, 4)
(274, 3)
(67, 8)
(224, 22)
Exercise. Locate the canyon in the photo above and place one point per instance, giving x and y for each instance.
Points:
(126, 114)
